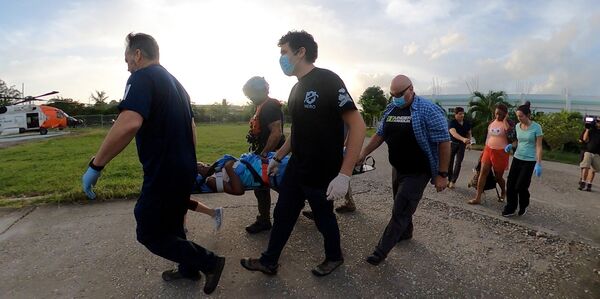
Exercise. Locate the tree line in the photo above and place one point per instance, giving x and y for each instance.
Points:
(561, 129)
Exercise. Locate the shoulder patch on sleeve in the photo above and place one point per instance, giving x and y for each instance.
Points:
(343, 97)
(126, 91)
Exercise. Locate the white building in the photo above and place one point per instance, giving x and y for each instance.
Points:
(586, 105)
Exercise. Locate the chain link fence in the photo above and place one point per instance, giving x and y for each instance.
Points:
(97, 121)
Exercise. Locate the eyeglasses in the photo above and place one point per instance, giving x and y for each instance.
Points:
(401, 93)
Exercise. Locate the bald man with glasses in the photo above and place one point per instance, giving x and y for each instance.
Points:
(416, 133)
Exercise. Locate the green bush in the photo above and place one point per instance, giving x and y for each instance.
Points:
(560, 128)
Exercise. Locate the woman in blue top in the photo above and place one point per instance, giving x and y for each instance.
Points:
(527, 160)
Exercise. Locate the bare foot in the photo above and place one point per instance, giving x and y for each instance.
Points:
(474, 201)
(502, 197)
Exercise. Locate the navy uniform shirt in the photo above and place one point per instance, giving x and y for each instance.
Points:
(164, 142)
(316, 104)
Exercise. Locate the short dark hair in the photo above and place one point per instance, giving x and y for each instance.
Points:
(502, 108)
(301, 39)
(459, 110)
(144, 42)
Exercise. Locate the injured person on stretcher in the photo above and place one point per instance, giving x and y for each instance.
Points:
(236, 175)
(248, 172)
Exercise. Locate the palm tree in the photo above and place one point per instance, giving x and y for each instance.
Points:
(482, 108)
(100, 97)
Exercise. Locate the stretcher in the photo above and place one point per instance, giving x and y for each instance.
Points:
(262, 180)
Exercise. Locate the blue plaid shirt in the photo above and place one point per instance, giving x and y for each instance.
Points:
(430, 126)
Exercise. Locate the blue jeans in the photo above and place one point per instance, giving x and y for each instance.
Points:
(285, 215)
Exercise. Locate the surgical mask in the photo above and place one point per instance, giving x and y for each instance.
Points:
(399, 102)
(286, 66)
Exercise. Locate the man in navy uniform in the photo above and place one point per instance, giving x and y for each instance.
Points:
(156, 109)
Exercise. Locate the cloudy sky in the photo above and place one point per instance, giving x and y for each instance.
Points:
(213, 47)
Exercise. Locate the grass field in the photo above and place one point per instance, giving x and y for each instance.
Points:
(50, 170)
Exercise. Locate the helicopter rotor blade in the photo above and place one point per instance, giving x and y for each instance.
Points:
(12, 98)
(19, 102)
(46, 94)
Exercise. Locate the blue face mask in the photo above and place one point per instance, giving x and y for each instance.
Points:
(286, 66)
(399, 102)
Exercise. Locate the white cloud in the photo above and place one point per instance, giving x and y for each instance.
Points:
(441, 46)
(213, 46)
(411, 49)
(418, 12)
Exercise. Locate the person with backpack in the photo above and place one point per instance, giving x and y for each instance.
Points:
(265, 135)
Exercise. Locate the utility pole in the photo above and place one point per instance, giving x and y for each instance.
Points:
(567, 100)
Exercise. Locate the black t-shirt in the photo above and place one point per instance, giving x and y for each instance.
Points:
(269, 113)
(316, 104)
(462, 130)
(165, 141)
(404, 152)
(593, 144)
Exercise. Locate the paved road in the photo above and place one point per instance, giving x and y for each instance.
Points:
(89, 250)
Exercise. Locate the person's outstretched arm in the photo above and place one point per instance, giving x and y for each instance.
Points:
(373, 144)
(122, 132)
(285, 149)
(273, 139)
(354, 141)
(538, 149)
(375, 141)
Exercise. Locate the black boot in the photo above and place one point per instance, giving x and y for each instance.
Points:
(258, 226)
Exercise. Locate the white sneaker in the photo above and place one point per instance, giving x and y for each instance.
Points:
(218, 218)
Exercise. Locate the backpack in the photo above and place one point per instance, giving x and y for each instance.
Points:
(255, 126)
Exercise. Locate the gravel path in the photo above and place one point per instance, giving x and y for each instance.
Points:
(458, 250)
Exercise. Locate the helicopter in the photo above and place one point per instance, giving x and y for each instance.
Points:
(16, 118)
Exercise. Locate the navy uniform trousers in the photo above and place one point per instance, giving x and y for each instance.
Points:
(159, 218)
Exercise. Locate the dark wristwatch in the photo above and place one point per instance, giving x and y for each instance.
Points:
(443, 174)
(95, 167)
(276, 160)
